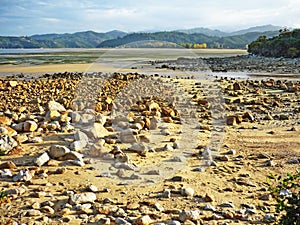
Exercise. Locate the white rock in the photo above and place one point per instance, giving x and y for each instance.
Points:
(75, 117)
(188, 191)
(5, 173)
(189, 215)
(42, 159)
(81, 136)
(78, 145)
(82, 198)
(97, 131)
(23, 175)
(53, 105)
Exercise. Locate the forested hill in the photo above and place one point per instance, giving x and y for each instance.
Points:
(286, 44)
(91, 39)
(180, 38)
(87, 39)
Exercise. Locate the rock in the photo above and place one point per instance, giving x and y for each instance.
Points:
(227, 205)
(166, 194)
(127, 136)
(231, 120)
(33, 212)
(23, 175)
(7, 143)
(42, 159)
(55, 106)
(35, 140)
(21, 138)
(231, 152)
(30, 126)
(153, 123)
(168, 147)
(13, 83)
(92, 188)
(5, 120)
(174, 222)
(270, 163)
(53, 115)
(249, 116)
(139, 148)
(82, 198)
(78, 145)
(188, 191)
(47, 210)
(209, 208)
(144, 220)
(5, 173)
(8, 165)
(208, 198)
(121, 221)
(103, 221)
(18, 127)
(189, 215)
(72, 155)
(57, 151)
(81, 136)
(269, 218)
(75, 117)
(97, 131)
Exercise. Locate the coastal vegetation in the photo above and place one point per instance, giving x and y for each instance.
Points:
(286, 44)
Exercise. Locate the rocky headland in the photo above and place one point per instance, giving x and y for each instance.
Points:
(244, 63)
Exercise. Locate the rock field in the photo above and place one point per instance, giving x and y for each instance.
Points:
(135, 149)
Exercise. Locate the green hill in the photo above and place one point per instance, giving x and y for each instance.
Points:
(286, 44)
(87, 39)
(180, 38)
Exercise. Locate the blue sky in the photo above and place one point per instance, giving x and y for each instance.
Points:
(27, 17)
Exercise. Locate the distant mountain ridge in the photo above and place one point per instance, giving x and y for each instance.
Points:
(218, 33)
(115, 38)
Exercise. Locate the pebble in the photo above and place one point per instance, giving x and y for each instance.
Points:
(174, 222)
(92, 188)
(82, 198)
(57, 151)
(227, 205)
(209, 208)
(23, 175)
(8, 165)
(187, 191)
(189, 215)
(144, 220)
(5, 173)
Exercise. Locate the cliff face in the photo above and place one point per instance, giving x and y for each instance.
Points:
(286, 44)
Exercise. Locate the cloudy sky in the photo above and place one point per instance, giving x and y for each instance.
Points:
(27, 17)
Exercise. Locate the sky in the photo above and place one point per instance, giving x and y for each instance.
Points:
(28, 17)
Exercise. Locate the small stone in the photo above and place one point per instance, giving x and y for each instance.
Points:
(8, 165)
(78, 145)
(231, 120)
(97, 131)
(42, 159)
(33, 212)
(52, 115)
(48, 210)
(189, 215)
(174, 222)
(270, 163)
(7, 143)
(36, 205)
(208, 198)
(227, 205)
(209, 208)
(166, 194)
(92, 188)
(168, 147)
(188, 191)
(231, 152)
(23, 175)
(55, 106)
(158, 207)
(263, 156)
(81, 136)
(121, 221)
(82, 198)
(127, 136)
(30, 126)
(5, 173)
(269, 217)
(104, 221)
(144, 220)
(57, 151)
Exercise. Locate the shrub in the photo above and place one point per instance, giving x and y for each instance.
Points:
(286, 192)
